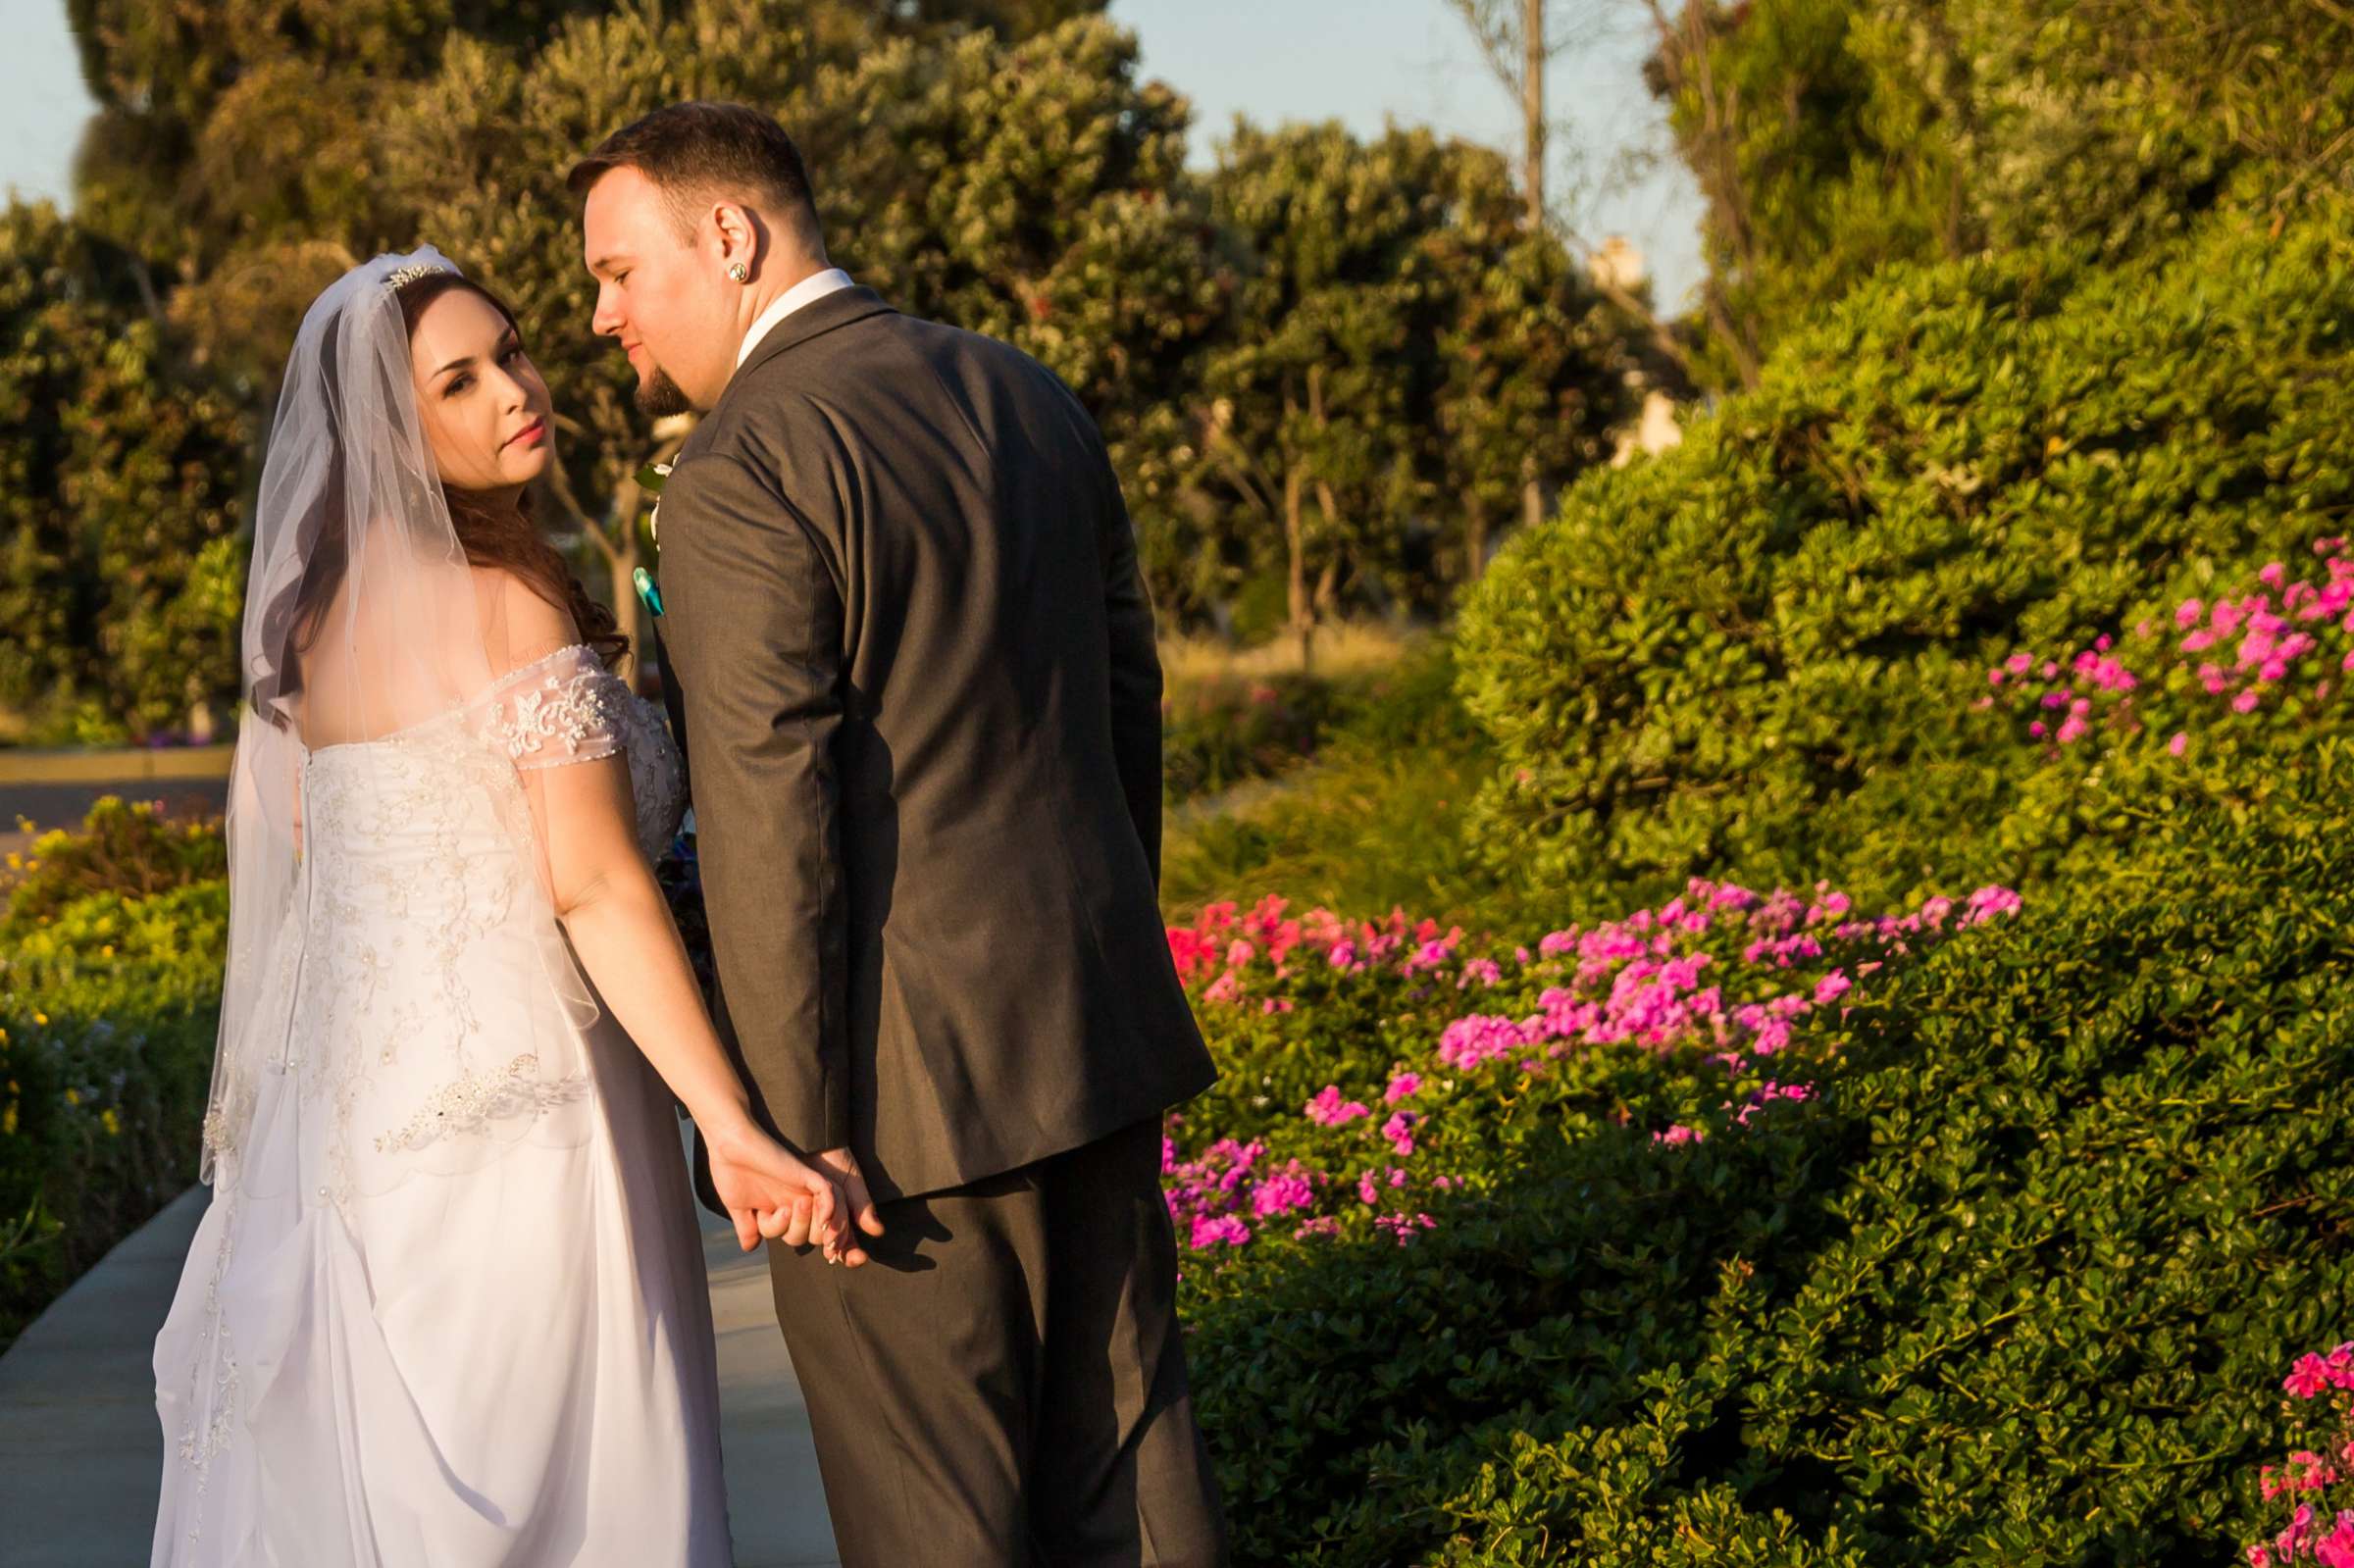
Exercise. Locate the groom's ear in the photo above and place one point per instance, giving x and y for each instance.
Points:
(742, 235)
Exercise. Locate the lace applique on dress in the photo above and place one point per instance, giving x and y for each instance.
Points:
(563, 701)
(567, 707)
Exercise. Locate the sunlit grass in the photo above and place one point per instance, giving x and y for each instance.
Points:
(1340, 651)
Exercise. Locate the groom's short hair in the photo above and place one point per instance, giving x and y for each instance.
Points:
(695, 151)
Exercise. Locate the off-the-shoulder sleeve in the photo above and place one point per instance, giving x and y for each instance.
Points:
(563, 708)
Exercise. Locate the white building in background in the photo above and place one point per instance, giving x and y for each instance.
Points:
(1617, 264)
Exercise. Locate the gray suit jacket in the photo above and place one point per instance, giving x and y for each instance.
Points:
(914, 662)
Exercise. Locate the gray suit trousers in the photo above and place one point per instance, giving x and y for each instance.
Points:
(1003, 1385)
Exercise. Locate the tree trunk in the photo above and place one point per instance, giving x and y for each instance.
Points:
(1295, 533)
(1532, 108)
(1532, 493)
(1294, 538)
(1476, 542)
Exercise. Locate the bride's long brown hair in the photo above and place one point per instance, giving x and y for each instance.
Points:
(511, 541)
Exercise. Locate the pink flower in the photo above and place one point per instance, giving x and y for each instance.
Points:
(1400, 1088)
(1483, 970)
(2179, 745)
(1400, 1130)
(2245, 702)
(1211, 1230)
(1328, 1109)
(1280, 1195)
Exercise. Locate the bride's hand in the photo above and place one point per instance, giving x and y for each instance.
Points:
(769, 1193)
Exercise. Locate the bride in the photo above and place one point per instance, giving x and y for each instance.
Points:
(446, 1305)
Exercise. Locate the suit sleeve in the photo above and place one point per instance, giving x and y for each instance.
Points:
(1135, 681)
(755, 622)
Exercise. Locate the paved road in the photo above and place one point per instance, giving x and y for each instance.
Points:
(80, 1450)
(64, 805)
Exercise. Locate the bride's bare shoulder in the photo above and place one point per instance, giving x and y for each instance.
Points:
(519, 626)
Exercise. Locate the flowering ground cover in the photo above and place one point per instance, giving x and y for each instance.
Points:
(1756, 1228)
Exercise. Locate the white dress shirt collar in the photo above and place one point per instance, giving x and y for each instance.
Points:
(809, 290)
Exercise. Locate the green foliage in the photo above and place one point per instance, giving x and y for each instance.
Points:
(120, 574)
(110, 979)
(1756, 653)
(1374, 821)
(1830, 138)
(2015, 1287)
(127, 850)
(1408, 357)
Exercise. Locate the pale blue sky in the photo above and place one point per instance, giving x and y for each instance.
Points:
(1358, 61)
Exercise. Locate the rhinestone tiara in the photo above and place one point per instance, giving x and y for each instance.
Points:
(401, 277)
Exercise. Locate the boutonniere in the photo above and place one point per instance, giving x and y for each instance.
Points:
(649, 479)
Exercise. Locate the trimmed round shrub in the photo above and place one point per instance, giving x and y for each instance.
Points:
(1755, 655)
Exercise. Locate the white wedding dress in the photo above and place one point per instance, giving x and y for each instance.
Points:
(439, 1316)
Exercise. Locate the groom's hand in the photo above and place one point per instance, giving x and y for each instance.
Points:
(842, 1166)
(770, 1194)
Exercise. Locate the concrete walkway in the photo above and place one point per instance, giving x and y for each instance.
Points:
(80, 1450)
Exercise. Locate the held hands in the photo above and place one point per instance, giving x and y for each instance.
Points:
(856, 1206)
(768, 1193)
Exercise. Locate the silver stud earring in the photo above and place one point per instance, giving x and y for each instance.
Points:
(739, 272)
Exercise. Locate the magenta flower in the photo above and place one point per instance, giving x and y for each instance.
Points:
(1401, 1087)
(1328, 1109)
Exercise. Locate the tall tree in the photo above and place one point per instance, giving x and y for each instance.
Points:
(1372, 265)
(1519, 40)
(1831, 137)
(120, 574)
(978, 168)
(926, 154)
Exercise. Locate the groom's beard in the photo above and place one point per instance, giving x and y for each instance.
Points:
(659, 397)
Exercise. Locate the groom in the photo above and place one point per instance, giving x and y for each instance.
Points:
(914, 674)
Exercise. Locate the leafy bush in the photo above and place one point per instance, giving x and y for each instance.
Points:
(2007, 1284)
(122, 847)
(1755, 655)
(1218, 734)
(110, 982)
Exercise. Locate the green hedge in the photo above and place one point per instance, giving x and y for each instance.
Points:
(2017, 1286)
(1753, 655)
(110, 980)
